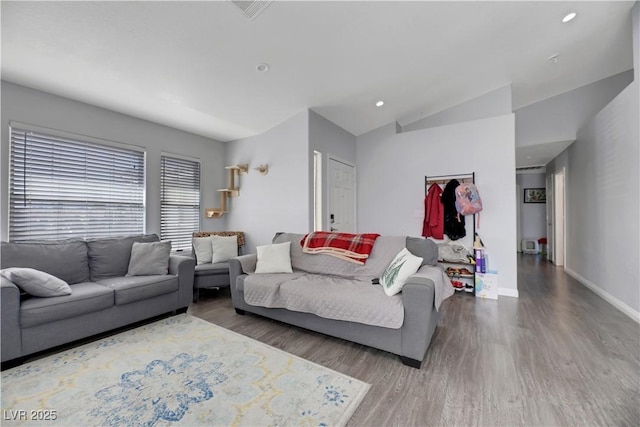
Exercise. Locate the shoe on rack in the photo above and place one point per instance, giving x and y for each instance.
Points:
(468, 288)
(451, 271)
(457, 285)
(464, 272)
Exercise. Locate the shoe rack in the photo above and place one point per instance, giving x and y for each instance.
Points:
(232, 190)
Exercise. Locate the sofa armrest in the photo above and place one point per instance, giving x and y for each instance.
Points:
(236, 270)
(242, 265)
(420, 317)
(183, 267)
(10, 306)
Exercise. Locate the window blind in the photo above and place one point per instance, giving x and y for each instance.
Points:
(179, 201)
(63, 186)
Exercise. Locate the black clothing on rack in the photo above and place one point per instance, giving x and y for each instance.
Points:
(453, 223)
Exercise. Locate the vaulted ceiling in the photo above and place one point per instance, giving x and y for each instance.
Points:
(192, 65)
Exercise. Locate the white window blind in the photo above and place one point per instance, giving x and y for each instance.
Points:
(179, 201)
(63, 186)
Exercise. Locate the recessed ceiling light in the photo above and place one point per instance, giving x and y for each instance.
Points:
(569, 17)
(262, 67)
(379, 103)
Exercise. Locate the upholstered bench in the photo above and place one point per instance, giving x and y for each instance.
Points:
(213, 275)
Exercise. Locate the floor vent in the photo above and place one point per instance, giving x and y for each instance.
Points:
(251, 9)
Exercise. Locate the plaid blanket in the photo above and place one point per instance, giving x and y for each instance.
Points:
(349, 247)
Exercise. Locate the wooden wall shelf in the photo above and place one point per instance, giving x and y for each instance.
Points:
(231, 191)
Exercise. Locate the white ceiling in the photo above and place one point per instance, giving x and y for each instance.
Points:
(192, 65)
(539, 154)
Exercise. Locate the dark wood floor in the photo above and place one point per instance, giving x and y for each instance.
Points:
(558, 355)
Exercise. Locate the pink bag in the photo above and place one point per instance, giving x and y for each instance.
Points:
(468, 200)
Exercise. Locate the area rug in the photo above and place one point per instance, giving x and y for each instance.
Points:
(178, 371)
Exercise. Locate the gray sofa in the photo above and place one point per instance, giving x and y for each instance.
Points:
(102, 297)
(213, 275)
(322, 280)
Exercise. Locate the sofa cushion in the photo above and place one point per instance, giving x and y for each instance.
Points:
(274, 258)
(395, 276)
(203, 249)
(85, 298)
(65, 259)
(110, 257)
(224, 248)
(135, 288)
(36, 282)
(149, 258)
(385, 248)
(211, 269)
(426, 249)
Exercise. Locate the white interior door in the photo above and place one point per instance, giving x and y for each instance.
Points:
(342, 196)
(558, 207)
(550, 213)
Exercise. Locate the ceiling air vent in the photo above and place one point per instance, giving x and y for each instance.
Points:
(528, 168)
(251, 9)
(531, 169)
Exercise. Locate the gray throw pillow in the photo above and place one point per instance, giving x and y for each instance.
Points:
(426, 249)
(36, 282)
(148, 259)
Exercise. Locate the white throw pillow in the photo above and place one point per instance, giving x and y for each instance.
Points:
(202, 248)
(395, 276)
(36, 282)
(274, 258)
(224, 248)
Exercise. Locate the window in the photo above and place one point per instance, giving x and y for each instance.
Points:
(64, 185)
(179, 201)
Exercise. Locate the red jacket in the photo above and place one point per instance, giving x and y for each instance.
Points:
(433, 225)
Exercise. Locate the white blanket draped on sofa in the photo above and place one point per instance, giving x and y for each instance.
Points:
(330, 297)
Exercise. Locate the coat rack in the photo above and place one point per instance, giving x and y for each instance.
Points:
(442, 180)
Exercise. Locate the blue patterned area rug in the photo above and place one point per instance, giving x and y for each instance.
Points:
(177, 371)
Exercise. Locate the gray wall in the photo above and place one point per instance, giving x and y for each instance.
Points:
(392, 167)
(533, 216)
(491, 104)
(278, 201)
(602, 198)
(34, 107)
(330, 140)
(559, 117)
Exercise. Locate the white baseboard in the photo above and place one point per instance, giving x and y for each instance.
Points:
(633, 314)
(505, 292)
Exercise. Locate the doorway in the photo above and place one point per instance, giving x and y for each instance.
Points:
(341, 195)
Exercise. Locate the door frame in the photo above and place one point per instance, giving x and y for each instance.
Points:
(518, 219)
(560, 217)
(335, 158)
(551, 239)
(318, 191)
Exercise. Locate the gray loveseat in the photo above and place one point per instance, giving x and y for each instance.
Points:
(102, 297)
(350, 306)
